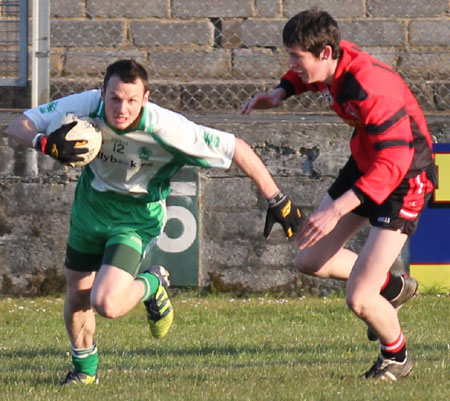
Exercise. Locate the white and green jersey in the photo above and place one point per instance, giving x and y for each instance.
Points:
(122, 191)
(141, 162)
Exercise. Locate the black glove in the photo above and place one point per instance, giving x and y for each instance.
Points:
(282, 210)
(57, 146)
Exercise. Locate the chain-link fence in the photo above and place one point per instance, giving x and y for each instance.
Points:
(213, 55)
(13, 42)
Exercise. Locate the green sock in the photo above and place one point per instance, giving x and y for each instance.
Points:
(151, 283)
(85, 360)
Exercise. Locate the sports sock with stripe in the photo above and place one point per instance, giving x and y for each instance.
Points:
(151, 283)
(85, 360)
(395, 350)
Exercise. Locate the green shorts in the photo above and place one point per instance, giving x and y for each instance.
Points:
(117, 252)
(109, 228)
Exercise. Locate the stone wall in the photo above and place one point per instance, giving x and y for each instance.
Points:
(205, 55)
(214, 54)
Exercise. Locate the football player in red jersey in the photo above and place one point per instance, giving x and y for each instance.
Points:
(387, 180)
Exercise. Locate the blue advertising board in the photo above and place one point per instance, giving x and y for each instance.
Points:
(430, 245)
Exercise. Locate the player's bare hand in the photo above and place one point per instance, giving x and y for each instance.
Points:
(316, 227)
(261, 100)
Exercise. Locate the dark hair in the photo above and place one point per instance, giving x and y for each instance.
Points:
(128, 71)
(312, 30)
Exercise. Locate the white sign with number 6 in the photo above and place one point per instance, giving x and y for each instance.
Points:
(187, 237)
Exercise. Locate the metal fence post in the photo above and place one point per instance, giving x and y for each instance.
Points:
(40, 73)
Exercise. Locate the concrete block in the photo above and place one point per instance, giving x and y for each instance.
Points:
(216, 96)
(94, 63)
(212, 8)
(60, 87)
(67, 8)
(337, 9)
(429, 32)
(262, 33)
(191, 65)
(427, 64)
(179, 33)
(87, 33)
(230, 35)
(387, 55)
(132, 9)
(269, 8)
(406, 8)
(165, 94)
(373, 32)
(259, 63)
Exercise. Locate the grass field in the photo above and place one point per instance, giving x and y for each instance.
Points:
(222, 348)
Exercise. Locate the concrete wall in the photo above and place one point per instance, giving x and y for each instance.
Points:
(197, 50)
(303, 152)
(203, 47)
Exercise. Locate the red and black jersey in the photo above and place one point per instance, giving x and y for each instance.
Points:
(391, 140)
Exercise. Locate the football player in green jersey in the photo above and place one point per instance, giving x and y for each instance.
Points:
(119, 205)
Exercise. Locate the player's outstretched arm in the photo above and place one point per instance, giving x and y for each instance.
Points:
(250, 163)
(264, 100)
(280, 207)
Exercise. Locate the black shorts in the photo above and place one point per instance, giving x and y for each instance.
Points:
(402, 208)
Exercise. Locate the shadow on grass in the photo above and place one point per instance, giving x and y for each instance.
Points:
(24, 357)
(37, 366)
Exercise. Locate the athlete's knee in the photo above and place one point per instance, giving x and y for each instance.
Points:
(305, 263)
(105, 305)
(359, 303)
